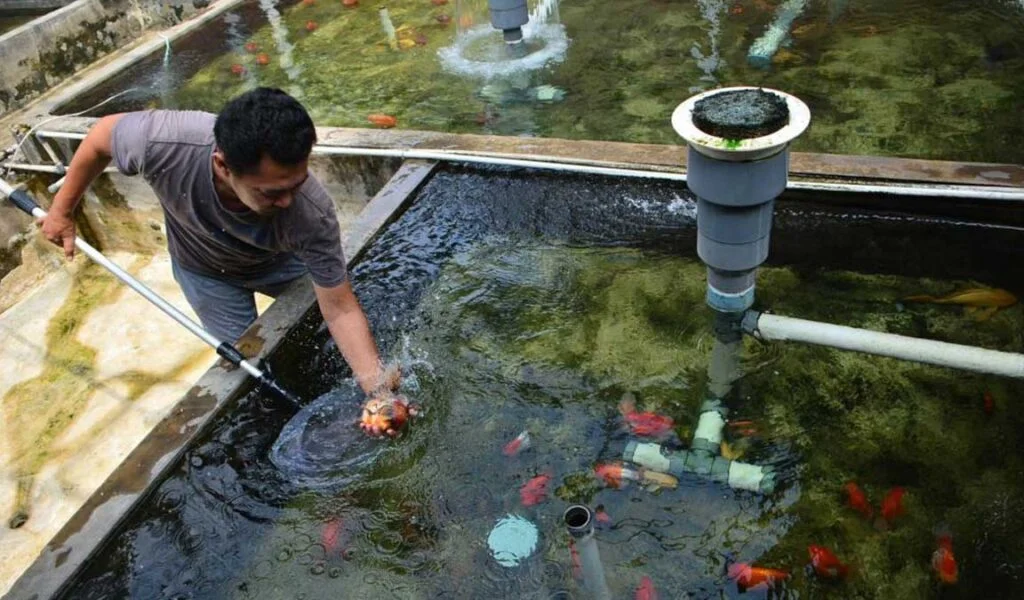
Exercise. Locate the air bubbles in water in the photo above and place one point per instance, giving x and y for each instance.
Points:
(481, 52)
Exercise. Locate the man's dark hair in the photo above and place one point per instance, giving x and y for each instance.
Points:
(263, 122)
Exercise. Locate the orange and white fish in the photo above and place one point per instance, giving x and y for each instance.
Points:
(748, 577)
(616, 474)
(979, 302)
(826, 564)
(943, 559)
(517, 445)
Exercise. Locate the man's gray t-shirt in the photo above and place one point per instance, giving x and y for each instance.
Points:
(173, 151)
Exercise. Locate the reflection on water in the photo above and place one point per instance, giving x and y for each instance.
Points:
(922, 78)
(525, 304)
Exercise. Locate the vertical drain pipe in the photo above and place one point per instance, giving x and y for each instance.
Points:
(737, 163)
(579, 520)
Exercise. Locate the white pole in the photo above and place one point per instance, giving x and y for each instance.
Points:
(972, 192)
(981, 360)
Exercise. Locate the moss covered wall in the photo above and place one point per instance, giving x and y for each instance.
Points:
(60, 43)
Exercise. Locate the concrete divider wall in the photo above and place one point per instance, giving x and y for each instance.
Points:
(46, 51)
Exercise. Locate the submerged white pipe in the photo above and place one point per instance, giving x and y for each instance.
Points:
(976, 192)
(579, 521)
(981, 360)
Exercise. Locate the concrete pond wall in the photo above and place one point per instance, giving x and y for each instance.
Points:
(49, 49)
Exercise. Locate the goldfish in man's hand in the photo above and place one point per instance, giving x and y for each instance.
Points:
(386, 414)
(981, 303)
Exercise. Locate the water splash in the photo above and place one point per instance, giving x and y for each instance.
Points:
(284, 47)
(480, 52)
(712, 11)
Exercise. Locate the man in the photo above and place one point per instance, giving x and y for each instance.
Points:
(242, 213)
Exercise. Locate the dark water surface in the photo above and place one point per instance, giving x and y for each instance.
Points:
(940, 79)
(522, 301)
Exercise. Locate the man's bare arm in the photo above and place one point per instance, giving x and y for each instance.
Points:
(93, 155)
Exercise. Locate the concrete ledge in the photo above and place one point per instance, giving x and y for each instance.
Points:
(30, 7)
(43, 53)
(214, 393)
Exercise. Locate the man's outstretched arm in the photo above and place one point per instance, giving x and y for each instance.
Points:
(93, 155)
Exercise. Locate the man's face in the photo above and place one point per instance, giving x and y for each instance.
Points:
(270, 188)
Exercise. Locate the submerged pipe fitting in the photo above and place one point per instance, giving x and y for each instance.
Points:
(509, 16)
(737, 475)
(710, 422)
(737, 163)
(579, 520)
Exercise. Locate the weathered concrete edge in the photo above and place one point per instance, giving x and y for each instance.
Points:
(87, 530)
(804, 166)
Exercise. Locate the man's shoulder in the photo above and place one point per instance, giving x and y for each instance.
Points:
(191, 127)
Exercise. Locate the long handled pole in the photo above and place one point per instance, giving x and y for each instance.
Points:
(22, 200)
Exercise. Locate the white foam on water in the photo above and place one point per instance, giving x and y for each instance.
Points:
(553, 51)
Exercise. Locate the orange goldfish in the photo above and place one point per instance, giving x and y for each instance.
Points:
(535, 490)
(982, 303)
(238, 69)
(615, 473)
(311, 26)
(350, 3)
(988, 404)
(892, 506)
(577, 565)
(251, 47)
(263, 59)
(332, 537)
(382, 120)
(386, 415)
(602, 517)
(857, 499)
(643, 423)
(517, 445)
(749, 577)
(943, 560)
(646, 591)
(825, 564)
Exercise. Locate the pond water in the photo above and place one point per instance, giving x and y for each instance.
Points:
(939, 79)
(521, 301)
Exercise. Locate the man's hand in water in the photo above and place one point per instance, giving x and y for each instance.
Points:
(386, 413)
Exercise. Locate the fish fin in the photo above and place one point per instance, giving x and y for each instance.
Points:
(922, 298)
(979, 313)
(652, 487)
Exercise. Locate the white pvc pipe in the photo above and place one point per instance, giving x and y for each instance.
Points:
(975, 192)
(777, 328)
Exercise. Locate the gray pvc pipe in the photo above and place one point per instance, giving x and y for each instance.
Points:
(970, 358)
(579, 520)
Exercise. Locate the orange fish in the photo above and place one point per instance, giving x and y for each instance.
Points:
(331, 536)
(263, 59)
(520, 443)
(736, 9)
(237, 69)
(614, 474)
(989, 404)
(308, 2)
(825, 564)
(647, 424)
(382, 120)
(943, 560)
(251, 47)
(350, 3)
(982, 303)
(646, 591)
(892, 505)
(749, 577)
(577, 565)
(857, 499)
(535, 490)
(311, 26)
(602, 517)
